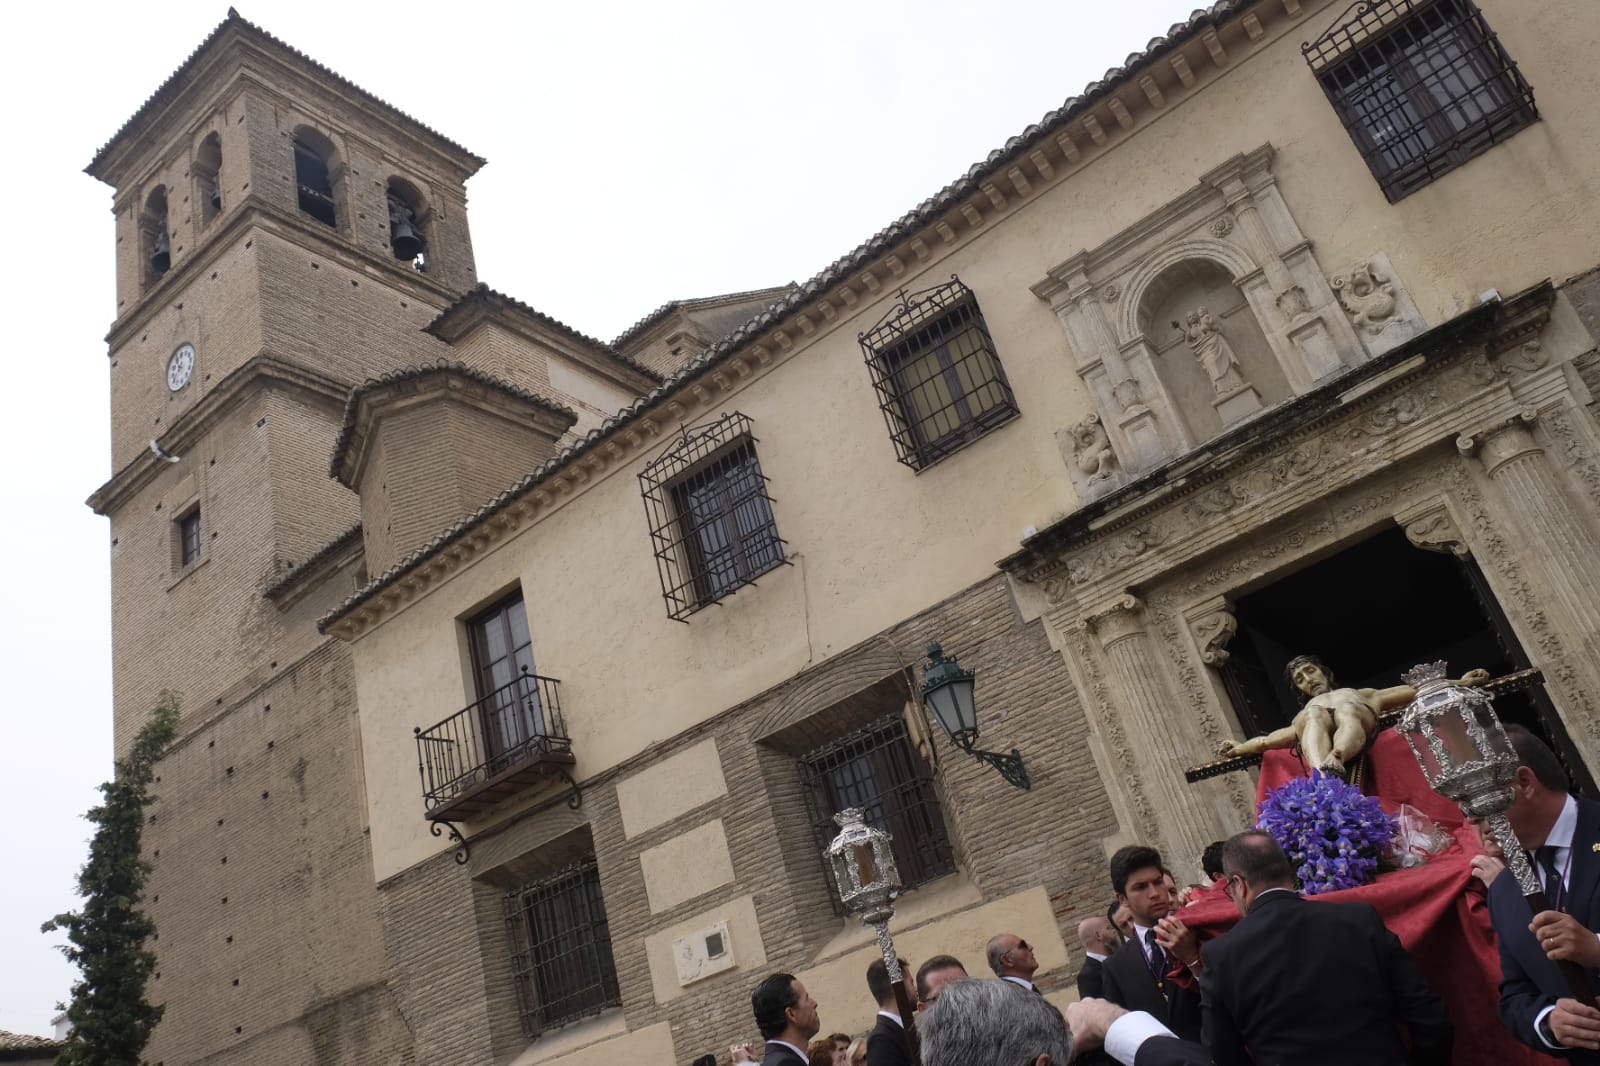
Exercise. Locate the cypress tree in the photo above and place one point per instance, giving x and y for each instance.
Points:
(111, 1019)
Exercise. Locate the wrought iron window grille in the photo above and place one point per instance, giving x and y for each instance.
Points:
(877, 769)
(939, 381)
(711, 523)
(1421, 86)
(560, 943)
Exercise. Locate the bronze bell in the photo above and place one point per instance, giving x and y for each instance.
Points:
(161, 255)
(404, 240)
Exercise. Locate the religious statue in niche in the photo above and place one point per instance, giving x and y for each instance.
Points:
(1335, 725)
(1091, 449)
(1212, 351)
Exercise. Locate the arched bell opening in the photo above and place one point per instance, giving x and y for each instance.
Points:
(408, 221)
(157, 238)
(207, 169)
(315, 163)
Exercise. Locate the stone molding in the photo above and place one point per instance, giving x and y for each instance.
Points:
(238, 387)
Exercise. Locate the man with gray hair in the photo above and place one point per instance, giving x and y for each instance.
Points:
(1011, 958)
(982, 1022)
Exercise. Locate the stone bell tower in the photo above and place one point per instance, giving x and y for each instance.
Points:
(281, 237)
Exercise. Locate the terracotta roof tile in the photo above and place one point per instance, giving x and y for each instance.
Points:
(444, 366)
(923, 214)
(179, 80)
(482, 293)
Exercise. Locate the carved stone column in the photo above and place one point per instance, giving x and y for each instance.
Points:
(1155, 725)
(1561, 543)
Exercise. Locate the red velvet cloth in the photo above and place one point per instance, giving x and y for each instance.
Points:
(1439, 910)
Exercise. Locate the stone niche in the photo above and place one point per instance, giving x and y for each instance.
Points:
(1203, 314)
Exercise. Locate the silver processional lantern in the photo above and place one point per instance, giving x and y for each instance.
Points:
(861, 864)
(1466, 756)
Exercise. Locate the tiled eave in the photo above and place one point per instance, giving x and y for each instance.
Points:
(644, 324)
(483, 304)
(181, 79)
(1043, 154)
(340, 465)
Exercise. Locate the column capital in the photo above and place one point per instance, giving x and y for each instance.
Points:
(1500, 442)
(1123, 617)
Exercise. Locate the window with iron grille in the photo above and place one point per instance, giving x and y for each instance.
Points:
(189, 537)
(711, 522)
(561, 948)
(1422, 86)
(878, 770)
(939, 381)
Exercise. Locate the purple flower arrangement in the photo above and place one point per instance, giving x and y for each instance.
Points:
(1333, 833)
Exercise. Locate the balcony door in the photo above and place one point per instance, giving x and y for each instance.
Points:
(510, 712)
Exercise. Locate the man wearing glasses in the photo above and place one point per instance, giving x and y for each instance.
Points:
(1011, 959)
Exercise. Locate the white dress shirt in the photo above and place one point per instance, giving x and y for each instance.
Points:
(893, 1016)
(1095, 955)
(1129, 1032)
(1023, 981)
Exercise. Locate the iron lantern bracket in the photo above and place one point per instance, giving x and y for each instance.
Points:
(1010, 766)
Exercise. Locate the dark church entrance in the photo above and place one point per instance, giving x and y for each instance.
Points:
(1371, 612)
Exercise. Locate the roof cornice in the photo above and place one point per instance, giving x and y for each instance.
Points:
(377, 397)
(192, 73)
(200, 419)
(481, 304)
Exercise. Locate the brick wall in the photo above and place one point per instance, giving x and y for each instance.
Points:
(261, 885)
(443, 922)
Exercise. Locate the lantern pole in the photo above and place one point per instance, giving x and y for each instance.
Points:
(1479, 779)
(863, 870)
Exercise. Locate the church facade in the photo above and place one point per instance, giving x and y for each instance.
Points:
(524, 672)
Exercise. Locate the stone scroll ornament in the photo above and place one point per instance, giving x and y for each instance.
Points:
(1212, 351)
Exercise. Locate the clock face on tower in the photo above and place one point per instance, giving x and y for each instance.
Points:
(179, 366)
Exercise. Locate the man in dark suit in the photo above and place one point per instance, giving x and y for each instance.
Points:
(1099, 940)
(1562, 834)
(887, 1044)
(1138, 975)
(1310, 983)
(786, 1015)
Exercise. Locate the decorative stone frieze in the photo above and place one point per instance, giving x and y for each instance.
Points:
(1379, 306)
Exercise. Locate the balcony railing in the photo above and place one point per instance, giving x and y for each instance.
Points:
(493, 749)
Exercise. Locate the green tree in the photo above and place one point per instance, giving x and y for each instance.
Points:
(111, 1019)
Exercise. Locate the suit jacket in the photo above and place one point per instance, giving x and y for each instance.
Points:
(1090, 983)
(1529, 981)
(778, 1055)
(1171, 1051)
(1126, 981)
(886, 1045)
(1317, 984)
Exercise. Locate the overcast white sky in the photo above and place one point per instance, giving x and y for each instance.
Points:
(638, 152)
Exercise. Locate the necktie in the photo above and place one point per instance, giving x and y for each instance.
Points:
(1157, 959)
(1553, 888)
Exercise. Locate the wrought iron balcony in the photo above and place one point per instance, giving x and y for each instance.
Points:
(489, 751)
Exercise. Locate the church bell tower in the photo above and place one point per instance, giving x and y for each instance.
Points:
(281, 237)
